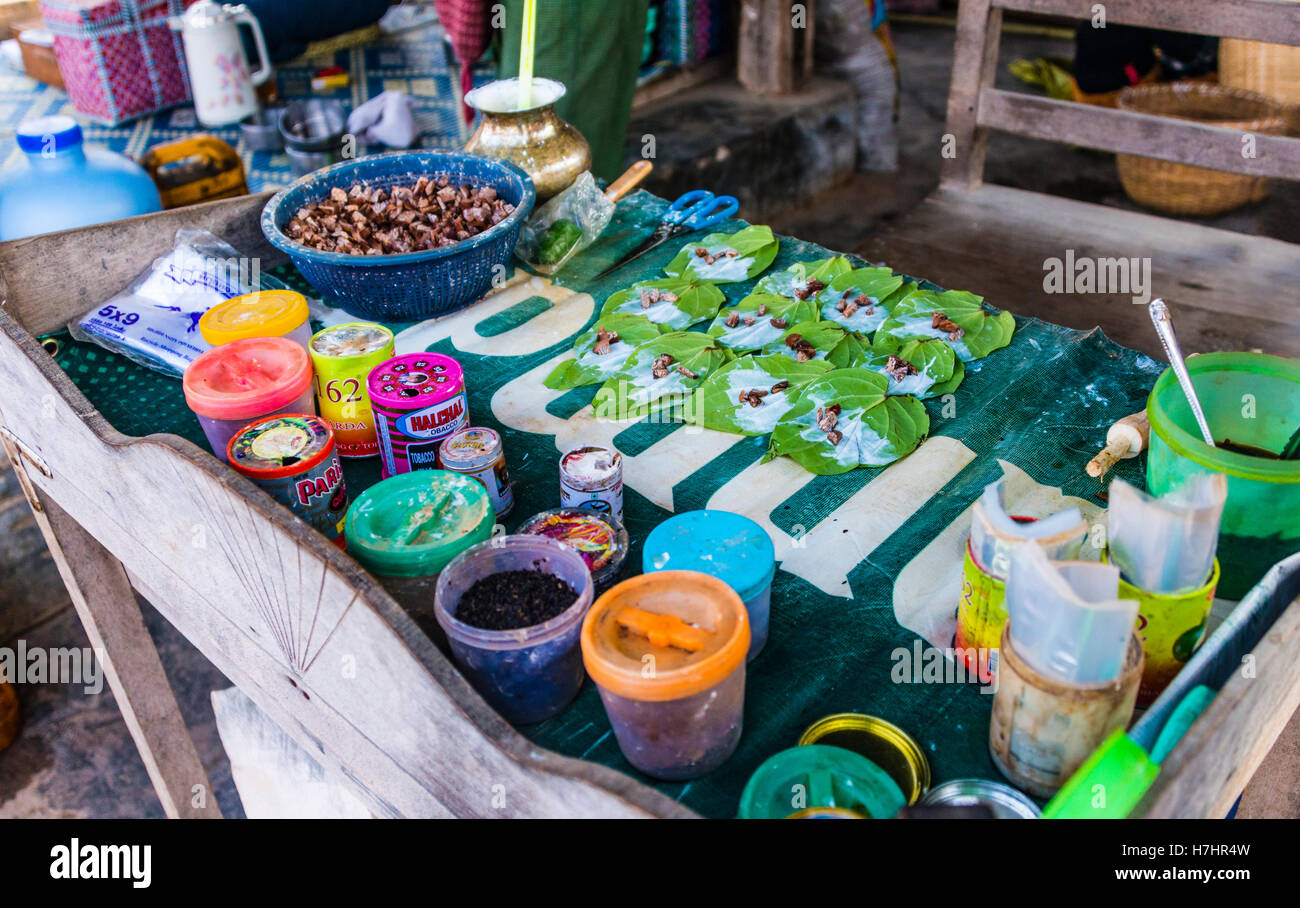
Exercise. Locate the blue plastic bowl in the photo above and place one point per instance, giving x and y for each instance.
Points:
(414, 285)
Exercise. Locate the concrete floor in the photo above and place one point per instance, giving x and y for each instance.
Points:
(75, 758)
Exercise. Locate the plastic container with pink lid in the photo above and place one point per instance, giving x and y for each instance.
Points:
(230, 386)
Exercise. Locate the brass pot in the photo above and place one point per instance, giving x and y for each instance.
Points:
(548, 149)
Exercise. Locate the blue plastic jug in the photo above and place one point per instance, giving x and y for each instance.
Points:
(58, 183)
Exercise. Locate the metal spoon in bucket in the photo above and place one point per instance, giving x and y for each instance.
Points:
(1165, 328)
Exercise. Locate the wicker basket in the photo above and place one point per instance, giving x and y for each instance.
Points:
(415, 285)
(1181, 188)
(1273, 70)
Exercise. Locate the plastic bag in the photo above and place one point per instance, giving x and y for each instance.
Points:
(155, 321)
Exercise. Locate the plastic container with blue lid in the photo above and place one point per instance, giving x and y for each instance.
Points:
(727, 546)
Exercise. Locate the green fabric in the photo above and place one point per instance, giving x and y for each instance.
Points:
(594, 48)
(1043, 403)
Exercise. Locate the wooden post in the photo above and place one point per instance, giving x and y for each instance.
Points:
(775, 52)
(974, 63)
(106, 604)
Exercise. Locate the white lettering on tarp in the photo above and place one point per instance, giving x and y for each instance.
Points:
(521, 404)
(825, 554)
(564, 319)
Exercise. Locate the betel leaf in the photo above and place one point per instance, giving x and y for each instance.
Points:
(634, 392)
(982, 331)
(762, 331)
(695, 302)
(875, 428)
(833, 343)
(934, 360)
(876, 284)
(754, 248)
(587, 367)
(796, 277)
(717, 403)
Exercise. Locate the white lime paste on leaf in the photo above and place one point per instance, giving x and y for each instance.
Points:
(859, 446)
(761, 419)
(864, 321)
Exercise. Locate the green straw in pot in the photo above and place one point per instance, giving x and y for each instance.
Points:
(526, 45)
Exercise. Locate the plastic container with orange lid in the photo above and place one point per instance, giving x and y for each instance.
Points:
(667, 652)
(264, 313)
(230, 386)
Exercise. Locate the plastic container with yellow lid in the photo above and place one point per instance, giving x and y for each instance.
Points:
(667, 652)
(264, 313)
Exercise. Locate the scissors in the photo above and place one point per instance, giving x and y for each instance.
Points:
(694, 210)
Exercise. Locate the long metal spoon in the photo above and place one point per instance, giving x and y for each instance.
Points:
(1165, 328)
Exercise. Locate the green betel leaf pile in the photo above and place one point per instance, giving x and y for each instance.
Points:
(661, 373)
(921, 366)
(846, 419)
(829, 360)
(723, 258)
(860, 299)
(673, 302)
(602, 350)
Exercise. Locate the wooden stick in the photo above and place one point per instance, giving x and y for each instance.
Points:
(628, 180)
(1126, 438)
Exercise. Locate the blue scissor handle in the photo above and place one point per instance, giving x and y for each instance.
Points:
(699, 209)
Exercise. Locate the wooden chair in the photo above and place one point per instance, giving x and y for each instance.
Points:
(1227, 290)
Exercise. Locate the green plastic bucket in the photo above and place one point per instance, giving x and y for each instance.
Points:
(1251, 399)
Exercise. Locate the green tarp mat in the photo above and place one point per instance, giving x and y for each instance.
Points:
(870, 560)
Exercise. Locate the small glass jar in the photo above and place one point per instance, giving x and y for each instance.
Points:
(531, 673)
(598, 537)
(667, 652)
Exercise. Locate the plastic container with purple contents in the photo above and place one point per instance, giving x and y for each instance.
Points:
(667, 651)
(598, 537)
(530, 673)
(230, 386)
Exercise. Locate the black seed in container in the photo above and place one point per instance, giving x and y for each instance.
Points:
(513, 599)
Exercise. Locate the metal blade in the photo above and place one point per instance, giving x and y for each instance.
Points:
(662, 234)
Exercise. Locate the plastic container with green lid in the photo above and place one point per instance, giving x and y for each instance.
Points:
(819, 775)
(263, 313)
(1251, 400)
(406, 529)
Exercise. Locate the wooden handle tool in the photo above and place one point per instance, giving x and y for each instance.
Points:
(629, 180)
(1126, 438)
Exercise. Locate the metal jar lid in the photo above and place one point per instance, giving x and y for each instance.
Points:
(470, 449)
(1005, 802)
(884, 743)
